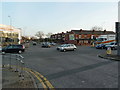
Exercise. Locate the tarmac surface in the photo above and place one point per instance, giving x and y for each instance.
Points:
(69, 75)
(73, 69)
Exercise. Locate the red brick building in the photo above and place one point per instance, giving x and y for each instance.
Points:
(59, 37)
(80, 37)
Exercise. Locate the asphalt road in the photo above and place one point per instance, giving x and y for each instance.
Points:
(74, 69)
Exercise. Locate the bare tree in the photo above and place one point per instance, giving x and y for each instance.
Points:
(97, 28)
(49, 34)
(40, 34)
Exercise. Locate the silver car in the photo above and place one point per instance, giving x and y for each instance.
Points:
(112, 45)
(67, 47)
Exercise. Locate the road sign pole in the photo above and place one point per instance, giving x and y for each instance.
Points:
(118, 37)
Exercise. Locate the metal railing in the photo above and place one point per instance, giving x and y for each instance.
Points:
(14, 62)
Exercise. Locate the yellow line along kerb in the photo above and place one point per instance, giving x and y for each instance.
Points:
(44, 86)
(44, 82)
(39, 76)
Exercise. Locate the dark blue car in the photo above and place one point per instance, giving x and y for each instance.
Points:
(100, 46)
(13, 49)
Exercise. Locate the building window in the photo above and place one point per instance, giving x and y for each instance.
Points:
(79, 36)
(85, 41)
(85, 36)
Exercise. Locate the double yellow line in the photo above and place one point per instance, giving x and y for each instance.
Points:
(45, 83)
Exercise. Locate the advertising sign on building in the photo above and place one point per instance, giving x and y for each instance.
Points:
(71, 37)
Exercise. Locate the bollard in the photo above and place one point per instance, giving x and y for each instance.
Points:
(108, 51)
(10, 63)
(16, 69)
(22, 65)
(19, 67)
(3, 64)
(18, 63)
(21, 57)
(22, 69)
(20, 75)
(93, 45)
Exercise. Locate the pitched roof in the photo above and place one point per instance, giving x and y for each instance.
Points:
(92, 32)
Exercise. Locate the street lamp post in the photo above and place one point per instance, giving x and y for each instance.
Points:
(118, 37)
(10, 21)
(10, 26)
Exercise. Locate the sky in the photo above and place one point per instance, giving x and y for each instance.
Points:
(56, 17)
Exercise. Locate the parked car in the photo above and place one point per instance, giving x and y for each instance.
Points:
(112, 45)
(34, 43)
(53, 44)
(100, 46)
(0, 48)
(27, 41)
(13, 49)
(67, 47)
(46, 44)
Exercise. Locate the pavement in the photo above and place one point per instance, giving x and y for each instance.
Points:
(15, 79)
(17, 76)
(112, 56)
(28, 79)
(12, 79)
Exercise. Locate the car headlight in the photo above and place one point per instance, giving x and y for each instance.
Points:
(61, 48)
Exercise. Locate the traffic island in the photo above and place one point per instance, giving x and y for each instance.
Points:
(110, 57)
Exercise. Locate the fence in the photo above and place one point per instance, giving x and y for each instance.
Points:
(14, 62)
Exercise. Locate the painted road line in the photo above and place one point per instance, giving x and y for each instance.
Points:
(45, 83)
(41, 78)
(44, 86)
(4, 69)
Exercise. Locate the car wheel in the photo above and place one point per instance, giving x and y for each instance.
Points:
(106, 48)
(3, 53)
(64, 50)
(19, 51)
(113, 48)
(74, 49)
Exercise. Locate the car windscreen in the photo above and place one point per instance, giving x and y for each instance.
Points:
(19, 46)
(6, 47)
(112, 43)
(63, 45)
